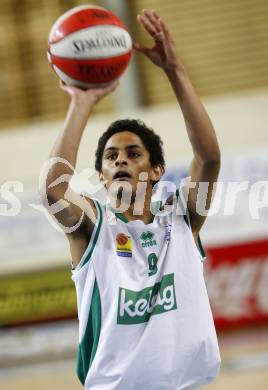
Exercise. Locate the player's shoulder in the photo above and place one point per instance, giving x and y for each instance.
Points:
(87, 231)
(93, 210)
(174, 198)
(91, 213)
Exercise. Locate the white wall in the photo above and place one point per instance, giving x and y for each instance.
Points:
(240, 121)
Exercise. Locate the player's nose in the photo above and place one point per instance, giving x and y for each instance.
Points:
(121, 160)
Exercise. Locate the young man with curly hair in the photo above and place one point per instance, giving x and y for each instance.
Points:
(144, 316)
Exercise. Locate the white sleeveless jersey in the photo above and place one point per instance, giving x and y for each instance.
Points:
(144, 317)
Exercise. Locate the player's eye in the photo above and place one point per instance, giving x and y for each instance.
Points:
(134, 154)
(111, 156)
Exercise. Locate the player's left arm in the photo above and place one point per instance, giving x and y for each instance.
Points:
(205, 164)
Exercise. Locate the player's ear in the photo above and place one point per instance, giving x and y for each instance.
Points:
(101, 176)
(102, 180)
(157, 172)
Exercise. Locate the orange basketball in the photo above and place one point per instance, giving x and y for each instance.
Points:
(89, 46)
(121, 239)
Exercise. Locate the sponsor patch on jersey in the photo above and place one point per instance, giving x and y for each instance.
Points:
(135, 307)
(123, 245)
(147, 239)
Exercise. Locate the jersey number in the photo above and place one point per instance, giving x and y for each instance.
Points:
(152, 263)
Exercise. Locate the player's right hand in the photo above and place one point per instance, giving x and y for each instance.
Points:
(88, 96)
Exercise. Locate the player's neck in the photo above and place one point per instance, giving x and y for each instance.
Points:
(140, 209)
(146, 217)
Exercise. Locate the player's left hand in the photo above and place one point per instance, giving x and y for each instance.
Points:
(163, 53)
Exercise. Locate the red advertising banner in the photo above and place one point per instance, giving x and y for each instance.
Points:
(237, 282)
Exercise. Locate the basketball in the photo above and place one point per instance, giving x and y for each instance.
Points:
(89, 46)
(121, 239)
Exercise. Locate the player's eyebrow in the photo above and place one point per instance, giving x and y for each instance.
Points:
(112, 148)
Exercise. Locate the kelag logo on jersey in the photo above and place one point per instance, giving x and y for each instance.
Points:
(135, 307)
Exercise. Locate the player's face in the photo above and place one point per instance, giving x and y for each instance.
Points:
(124, 159)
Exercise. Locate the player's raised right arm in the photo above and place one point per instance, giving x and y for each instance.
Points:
(65, 205)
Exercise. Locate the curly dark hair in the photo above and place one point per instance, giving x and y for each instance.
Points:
(150, 139)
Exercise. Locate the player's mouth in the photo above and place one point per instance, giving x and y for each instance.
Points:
(121, 176)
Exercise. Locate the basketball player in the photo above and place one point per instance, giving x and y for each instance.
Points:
(144, 316)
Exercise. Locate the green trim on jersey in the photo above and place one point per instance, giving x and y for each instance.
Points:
(94, 237)
(201, 248)
(88, 346)
(122, 217)
(187, 220)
